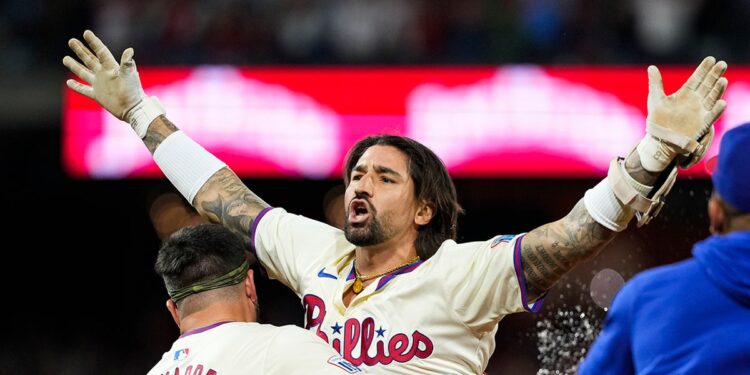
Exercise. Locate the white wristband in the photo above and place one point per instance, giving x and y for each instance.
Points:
(603, 206)
(186, 163)
(143, 113)
(655, 155)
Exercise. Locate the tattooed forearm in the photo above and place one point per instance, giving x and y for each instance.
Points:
(226, 200)
(223, 198)
(553, 249)
(159, 130)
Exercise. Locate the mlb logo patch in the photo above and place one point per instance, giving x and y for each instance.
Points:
(505, 238)
(343, 364)
(181, 354)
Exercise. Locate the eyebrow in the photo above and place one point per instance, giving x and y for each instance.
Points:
(380, 169)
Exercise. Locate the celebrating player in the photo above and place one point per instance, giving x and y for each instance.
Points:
(213, 301)
(394, 291)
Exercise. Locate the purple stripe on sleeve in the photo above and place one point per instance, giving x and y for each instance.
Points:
(518, 265)
(255, 226)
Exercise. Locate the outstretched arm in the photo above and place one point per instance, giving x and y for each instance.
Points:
(223, 199)
(218, 194)
(679, 130)
(550, 251)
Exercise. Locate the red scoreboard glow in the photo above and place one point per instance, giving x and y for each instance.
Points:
(511, 121)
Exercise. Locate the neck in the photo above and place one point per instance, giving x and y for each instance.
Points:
(378, 258)
(739, 223)
(217, 312)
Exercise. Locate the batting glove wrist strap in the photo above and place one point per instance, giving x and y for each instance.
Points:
(143, 114)
(186, 163)
(655, 154)
(637, 196)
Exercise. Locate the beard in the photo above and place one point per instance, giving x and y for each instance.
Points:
(370, 233)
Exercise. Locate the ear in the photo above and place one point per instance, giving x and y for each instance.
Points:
(424, 214)
(172, 307)
(716, 216)
(250, 292)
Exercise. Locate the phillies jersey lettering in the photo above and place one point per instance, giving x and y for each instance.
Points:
(398, 348)
(198, 370)
(434, 316)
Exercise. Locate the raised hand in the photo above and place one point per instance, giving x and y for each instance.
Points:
(681, 123)
(116, 87)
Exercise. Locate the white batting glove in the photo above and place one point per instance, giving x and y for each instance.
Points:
(116, 87)
(678, 124)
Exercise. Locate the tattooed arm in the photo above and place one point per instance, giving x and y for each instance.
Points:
(550, 251)
(223, 199)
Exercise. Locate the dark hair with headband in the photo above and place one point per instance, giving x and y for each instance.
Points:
(199, 258)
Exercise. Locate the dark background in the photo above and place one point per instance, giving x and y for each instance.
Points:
(79, 293)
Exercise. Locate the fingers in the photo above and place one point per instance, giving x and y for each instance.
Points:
(79, 70)
(713, 75)
(655, 84)
(716, 111)
(81, 88)
(700, 73)
(83, 53)
(126, 61)
(716, 92)
(101, 51)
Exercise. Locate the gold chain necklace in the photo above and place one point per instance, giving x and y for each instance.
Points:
(359, 279)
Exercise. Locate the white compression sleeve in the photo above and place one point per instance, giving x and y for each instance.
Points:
(186, 163)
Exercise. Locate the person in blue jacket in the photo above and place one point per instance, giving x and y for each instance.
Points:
(691, 317)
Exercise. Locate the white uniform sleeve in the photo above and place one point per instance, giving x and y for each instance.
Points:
(292, 246)
(484, 280)
(297, 351)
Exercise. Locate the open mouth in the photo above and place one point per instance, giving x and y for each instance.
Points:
(359, 211)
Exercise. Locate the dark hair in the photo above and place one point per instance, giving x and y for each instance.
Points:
(431, 184)
(198, 253)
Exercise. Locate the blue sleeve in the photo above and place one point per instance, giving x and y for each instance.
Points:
(611, 353)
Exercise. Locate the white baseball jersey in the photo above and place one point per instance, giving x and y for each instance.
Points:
(433, 317)
(234, 348)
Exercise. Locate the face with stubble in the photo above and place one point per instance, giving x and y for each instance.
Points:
(379, 200)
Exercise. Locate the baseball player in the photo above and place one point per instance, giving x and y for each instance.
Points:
(393, 291)
(213, 301)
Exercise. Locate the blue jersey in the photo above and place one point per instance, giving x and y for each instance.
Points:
(691, 317)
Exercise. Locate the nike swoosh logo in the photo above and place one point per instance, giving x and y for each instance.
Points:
(328, 275)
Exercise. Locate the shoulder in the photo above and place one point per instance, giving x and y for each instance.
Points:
(657, 284)
(675, 273)
(496, 243)
(291, 334)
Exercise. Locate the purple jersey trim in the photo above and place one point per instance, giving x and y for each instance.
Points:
(522, 280)
(351, 273)
(204, 329)
(386, 278)
(406, 269)
(255, 227)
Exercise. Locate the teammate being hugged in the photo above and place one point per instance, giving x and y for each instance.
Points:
(393, 291)
(213, 300)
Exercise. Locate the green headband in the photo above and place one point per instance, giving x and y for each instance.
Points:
(234, 277)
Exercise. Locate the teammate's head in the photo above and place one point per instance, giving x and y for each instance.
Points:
(729, 207)
(203, 264)
(398, 185)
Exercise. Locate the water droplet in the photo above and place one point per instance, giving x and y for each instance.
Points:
(604, 286)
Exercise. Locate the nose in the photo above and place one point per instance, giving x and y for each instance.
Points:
(364, 186)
